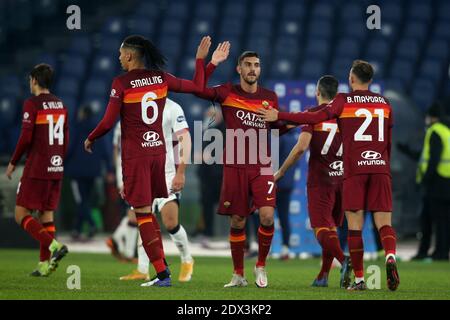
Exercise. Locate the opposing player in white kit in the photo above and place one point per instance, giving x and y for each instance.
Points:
(175, 129)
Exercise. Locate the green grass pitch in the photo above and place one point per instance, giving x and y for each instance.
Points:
(287, 280)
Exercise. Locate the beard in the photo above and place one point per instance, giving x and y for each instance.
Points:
(251, 81)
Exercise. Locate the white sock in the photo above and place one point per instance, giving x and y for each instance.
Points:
(390, 255)
(143, 261)
(181, 241)
(358, 280)
(120, 233)
(130, 237)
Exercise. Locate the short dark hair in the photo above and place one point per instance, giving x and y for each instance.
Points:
(328, 86)
(43, 74)
(363, 70)
(247, 54)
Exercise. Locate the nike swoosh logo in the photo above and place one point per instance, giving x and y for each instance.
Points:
(268, 199)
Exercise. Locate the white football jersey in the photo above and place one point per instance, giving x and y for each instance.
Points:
(173, 121)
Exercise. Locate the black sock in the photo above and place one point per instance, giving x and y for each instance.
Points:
(174, 230)
(132, 224)
(163, 275)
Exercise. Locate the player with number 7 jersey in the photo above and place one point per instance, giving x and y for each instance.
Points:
(324, 186)
(365, 121)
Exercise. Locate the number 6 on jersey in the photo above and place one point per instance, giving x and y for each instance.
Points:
(147, 102)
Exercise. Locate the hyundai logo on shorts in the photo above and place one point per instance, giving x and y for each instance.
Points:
(337, 165)
(56, 161)
(371, 155)
(151, 136)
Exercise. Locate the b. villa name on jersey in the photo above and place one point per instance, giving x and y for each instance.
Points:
(52, 105)
(251, 119)
(146, 82)
(366, 99)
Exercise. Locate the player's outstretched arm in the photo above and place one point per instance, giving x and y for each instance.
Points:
(332, 111)
(296, 153)
(271, 115)
(198, 83)
(215, 94)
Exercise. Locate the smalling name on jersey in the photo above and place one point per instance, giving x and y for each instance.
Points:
(146, 82)
(366, 99)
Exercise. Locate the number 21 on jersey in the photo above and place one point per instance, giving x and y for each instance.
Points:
(359, 134)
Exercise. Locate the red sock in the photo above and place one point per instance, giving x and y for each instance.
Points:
(237, 245)
(158, 232)
(329, 241)
(388, 239)
(44, 251)
(265, 235)
(150, 240)
(327, 260)
(36, 230)
(356, 248)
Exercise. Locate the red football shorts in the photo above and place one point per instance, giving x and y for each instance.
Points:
(38, 194)
(325, 206)
(144, 180)
(244, 190)
(371, 192)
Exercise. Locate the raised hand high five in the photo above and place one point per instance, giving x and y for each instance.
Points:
(203, 48)
(221, 53)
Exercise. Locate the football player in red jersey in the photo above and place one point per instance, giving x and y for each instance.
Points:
(325, 175)
(44, 138)
(365, 121)
(248, 183)
(138, 97)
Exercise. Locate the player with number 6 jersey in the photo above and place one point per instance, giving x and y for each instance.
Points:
(365, 121)
(139, 97)
(44, 138)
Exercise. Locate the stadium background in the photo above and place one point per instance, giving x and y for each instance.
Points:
(297, 41)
